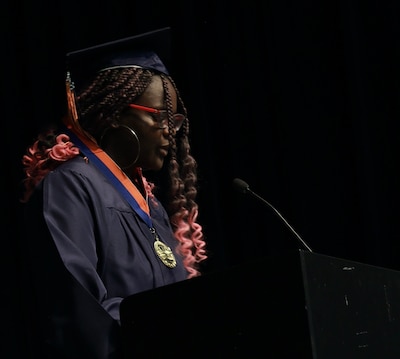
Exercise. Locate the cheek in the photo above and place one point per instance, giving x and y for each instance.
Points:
(144, 128)
(141, 129)
(148, 141)
(137, 122)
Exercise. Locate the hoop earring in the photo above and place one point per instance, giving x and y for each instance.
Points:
(121, 144)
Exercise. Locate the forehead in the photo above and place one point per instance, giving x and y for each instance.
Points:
(154, 95)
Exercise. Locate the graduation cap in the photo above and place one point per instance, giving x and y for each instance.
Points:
(145, 50)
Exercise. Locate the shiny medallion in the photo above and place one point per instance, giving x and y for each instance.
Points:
(165, 254)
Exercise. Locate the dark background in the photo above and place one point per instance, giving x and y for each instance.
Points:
(299, 98)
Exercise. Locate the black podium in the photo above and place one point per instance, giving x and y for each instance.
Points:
(252, 310)
(353, 308)
(300, 305)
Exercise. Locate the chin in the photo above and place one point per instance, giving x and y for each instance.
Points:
(156, 166)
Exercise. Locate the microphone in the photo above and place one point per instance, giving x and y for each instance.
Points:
(242, 187)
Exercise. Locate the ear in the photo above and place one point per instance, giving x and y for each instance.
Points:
(122, 145)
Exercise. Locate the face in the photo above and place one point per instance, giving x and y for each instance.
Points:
(153, 140)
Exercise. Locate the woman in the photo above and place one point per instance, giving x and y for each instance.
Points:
(111, 197)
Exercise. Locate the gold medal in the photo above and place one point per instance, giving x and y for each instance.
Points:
(165, 254)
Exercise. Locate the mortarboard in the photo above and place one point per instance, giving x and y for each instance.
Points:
(145, 50)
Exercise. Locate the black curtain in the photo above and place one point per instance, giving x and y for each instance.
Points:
(299, 98)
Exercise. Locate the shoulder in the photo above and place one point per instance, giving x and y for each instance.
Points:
(75, 178)
(76, 168)
(77, 164)
(81, 181)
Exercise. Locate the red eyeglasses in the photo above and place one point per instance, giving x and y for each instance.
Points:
(161, 116)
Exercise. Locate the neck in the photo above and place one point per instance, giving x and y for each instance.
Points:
(135, 175)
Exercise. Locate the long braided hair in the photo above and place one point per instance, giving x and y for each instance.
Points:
(99, 106)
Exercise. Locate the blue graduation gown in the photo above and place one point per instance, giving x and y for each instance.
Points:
(86, 250)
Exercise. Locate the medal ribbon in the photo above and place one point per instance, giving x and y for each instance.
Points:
(116, 176)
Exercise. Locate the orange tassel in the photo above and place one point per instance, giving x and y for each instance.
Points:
(73, 113)
(71, 120)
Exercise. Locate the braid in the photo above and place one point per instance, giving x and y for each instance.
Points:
(112, 90)
(47, 152)
(181, 194)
